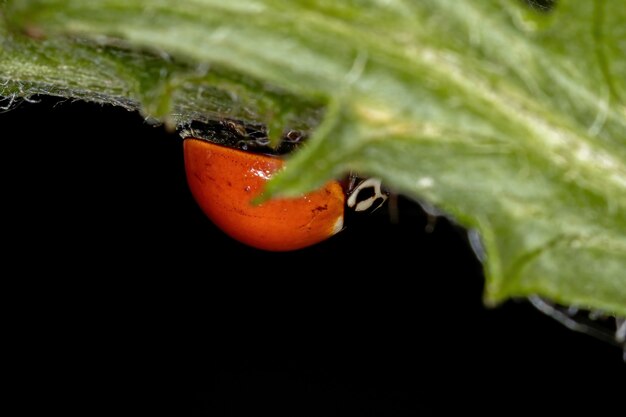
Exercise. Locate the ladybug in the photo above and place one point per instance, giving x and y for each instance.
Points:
(225, 180)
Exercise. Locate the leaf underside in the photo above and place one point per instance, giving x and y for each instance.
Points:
(510, 119)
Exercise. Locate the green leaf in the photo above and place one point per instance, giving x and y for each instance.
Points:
(511, 120)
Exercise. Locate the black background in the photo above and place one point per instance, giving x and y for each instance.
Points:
(129, 292)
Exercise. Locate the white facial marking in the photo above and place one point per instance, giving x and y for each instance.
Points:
(369, 202)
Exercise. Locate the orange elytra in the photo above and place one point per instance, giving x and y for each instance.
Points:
(224, 181)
